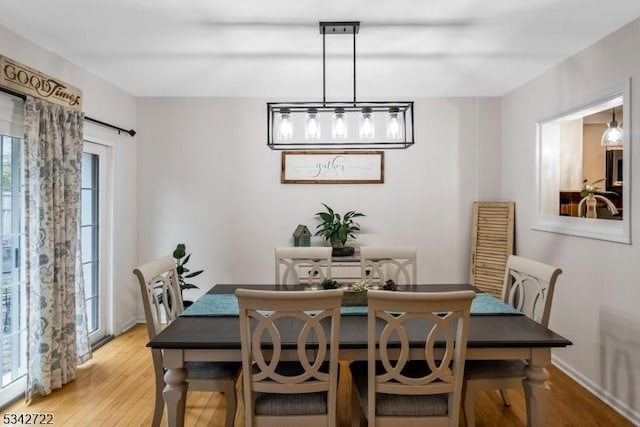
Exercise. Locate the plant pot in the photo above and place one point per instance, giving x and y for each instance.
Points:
(343, 251)
(354, 298)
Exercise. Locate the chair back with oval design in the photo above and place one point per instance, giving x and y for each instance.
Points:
(400, 385)
(290, 346)
(162, 301)
(302, 265)
(379, 264)
(528, 286)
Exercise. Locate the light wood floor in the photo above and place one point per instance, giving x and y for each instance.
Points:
(116, 389)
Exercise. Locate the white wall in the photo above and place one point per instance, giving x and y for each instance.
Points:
(598, 295)
(105, 102)
(208, 179)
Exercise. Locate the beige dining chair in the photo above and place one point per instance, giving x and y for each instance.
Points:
(280, 388)
(528, 286)
(302, 265)
(161, 297)
(396, 387)
(379, 264)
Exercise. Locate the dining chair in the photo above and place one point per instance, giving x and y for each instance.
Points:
(302, 265)
(400, 387)
(379, 264)
(161, 297)
(528, 286)
(299, 386)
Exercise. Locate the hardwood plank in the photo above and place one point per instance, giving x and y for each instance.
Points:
(116, 389)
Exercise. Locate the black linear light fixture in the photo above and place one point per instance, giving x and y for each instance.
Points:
(339, 125)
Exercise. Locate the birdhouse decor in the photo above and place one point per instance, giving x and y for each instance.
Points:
(301, 236)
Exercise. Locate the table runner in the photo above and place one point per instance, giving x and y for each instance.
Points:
(227, 305)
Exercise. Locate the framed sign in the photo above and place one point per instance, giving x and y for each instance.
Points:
(27, 81)
(332, 167)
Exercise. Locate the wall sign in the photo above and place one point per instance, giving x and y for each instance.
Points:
(332, 167)
(26, 80)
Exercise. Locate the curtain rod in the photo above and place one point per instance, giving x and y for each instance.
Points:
(130, 132)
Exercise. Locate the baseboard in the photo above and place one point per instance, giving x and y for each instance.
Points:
(616, 404)
(130, 324)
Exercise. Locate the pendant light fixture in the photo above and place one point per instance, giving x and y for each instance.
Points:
(613, 135)
(339, 125)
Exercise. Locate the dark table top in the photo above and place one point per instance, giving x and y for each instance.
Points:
(485, 331)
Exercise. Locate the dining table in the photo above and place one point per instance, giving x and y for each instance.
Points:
(209, 331)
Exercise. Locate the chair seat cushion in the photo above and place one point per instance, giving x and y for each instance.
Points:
(421, 405)
(481, 369)
(290, 403)
(212, 370)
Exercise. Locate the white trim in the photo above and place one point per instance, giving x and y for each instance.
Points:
(601, 229)
(616, 404)
(124, 327)
(13, 391)
(99, 135)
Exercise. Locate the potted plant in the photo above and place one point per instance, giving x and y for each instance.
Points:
(329, 283)
(336, 229)
(182, 258)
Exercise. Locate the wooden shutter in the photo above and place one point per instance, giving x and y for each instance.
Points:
(491, 244)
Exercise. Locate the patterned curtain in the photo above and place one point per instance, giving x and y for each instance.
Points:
(57, 337)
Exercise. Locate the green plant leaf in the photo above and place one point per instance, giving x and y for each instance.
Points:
(179, 251)
(327, 218)
(194, 274)
(328, 209)
(189, 286)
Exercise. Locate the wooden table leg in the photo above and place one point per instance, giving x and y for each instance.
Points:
(536, 389)
(175, 390)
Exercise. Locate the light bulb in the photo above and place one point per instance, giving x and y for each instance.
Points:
(394, 130)
(367, 128)
(312, 129)
(285, 130)
(613, 135)
(339, 124)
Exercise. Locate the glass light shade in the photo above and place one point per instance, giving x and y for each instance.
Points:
(312, 125)
(339, 130)
(367, 125)
(285, 128)
(394, 125)
(613, 136)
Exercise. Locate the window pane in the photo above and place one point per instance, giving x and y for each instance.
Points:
(12, 289)
(87, 244)
(89, 238)
(87, 270)
(86, 207)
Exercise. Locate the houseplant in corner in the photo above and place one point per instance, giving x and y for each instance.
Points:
(336, 229)
(181, 257)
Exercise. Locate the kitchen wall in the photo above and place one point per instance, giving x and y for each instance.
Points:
(597, 296)
(108, 103)
(207, 178)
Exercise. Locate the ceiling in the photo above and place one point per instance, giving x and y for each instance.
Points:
(405, 48)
